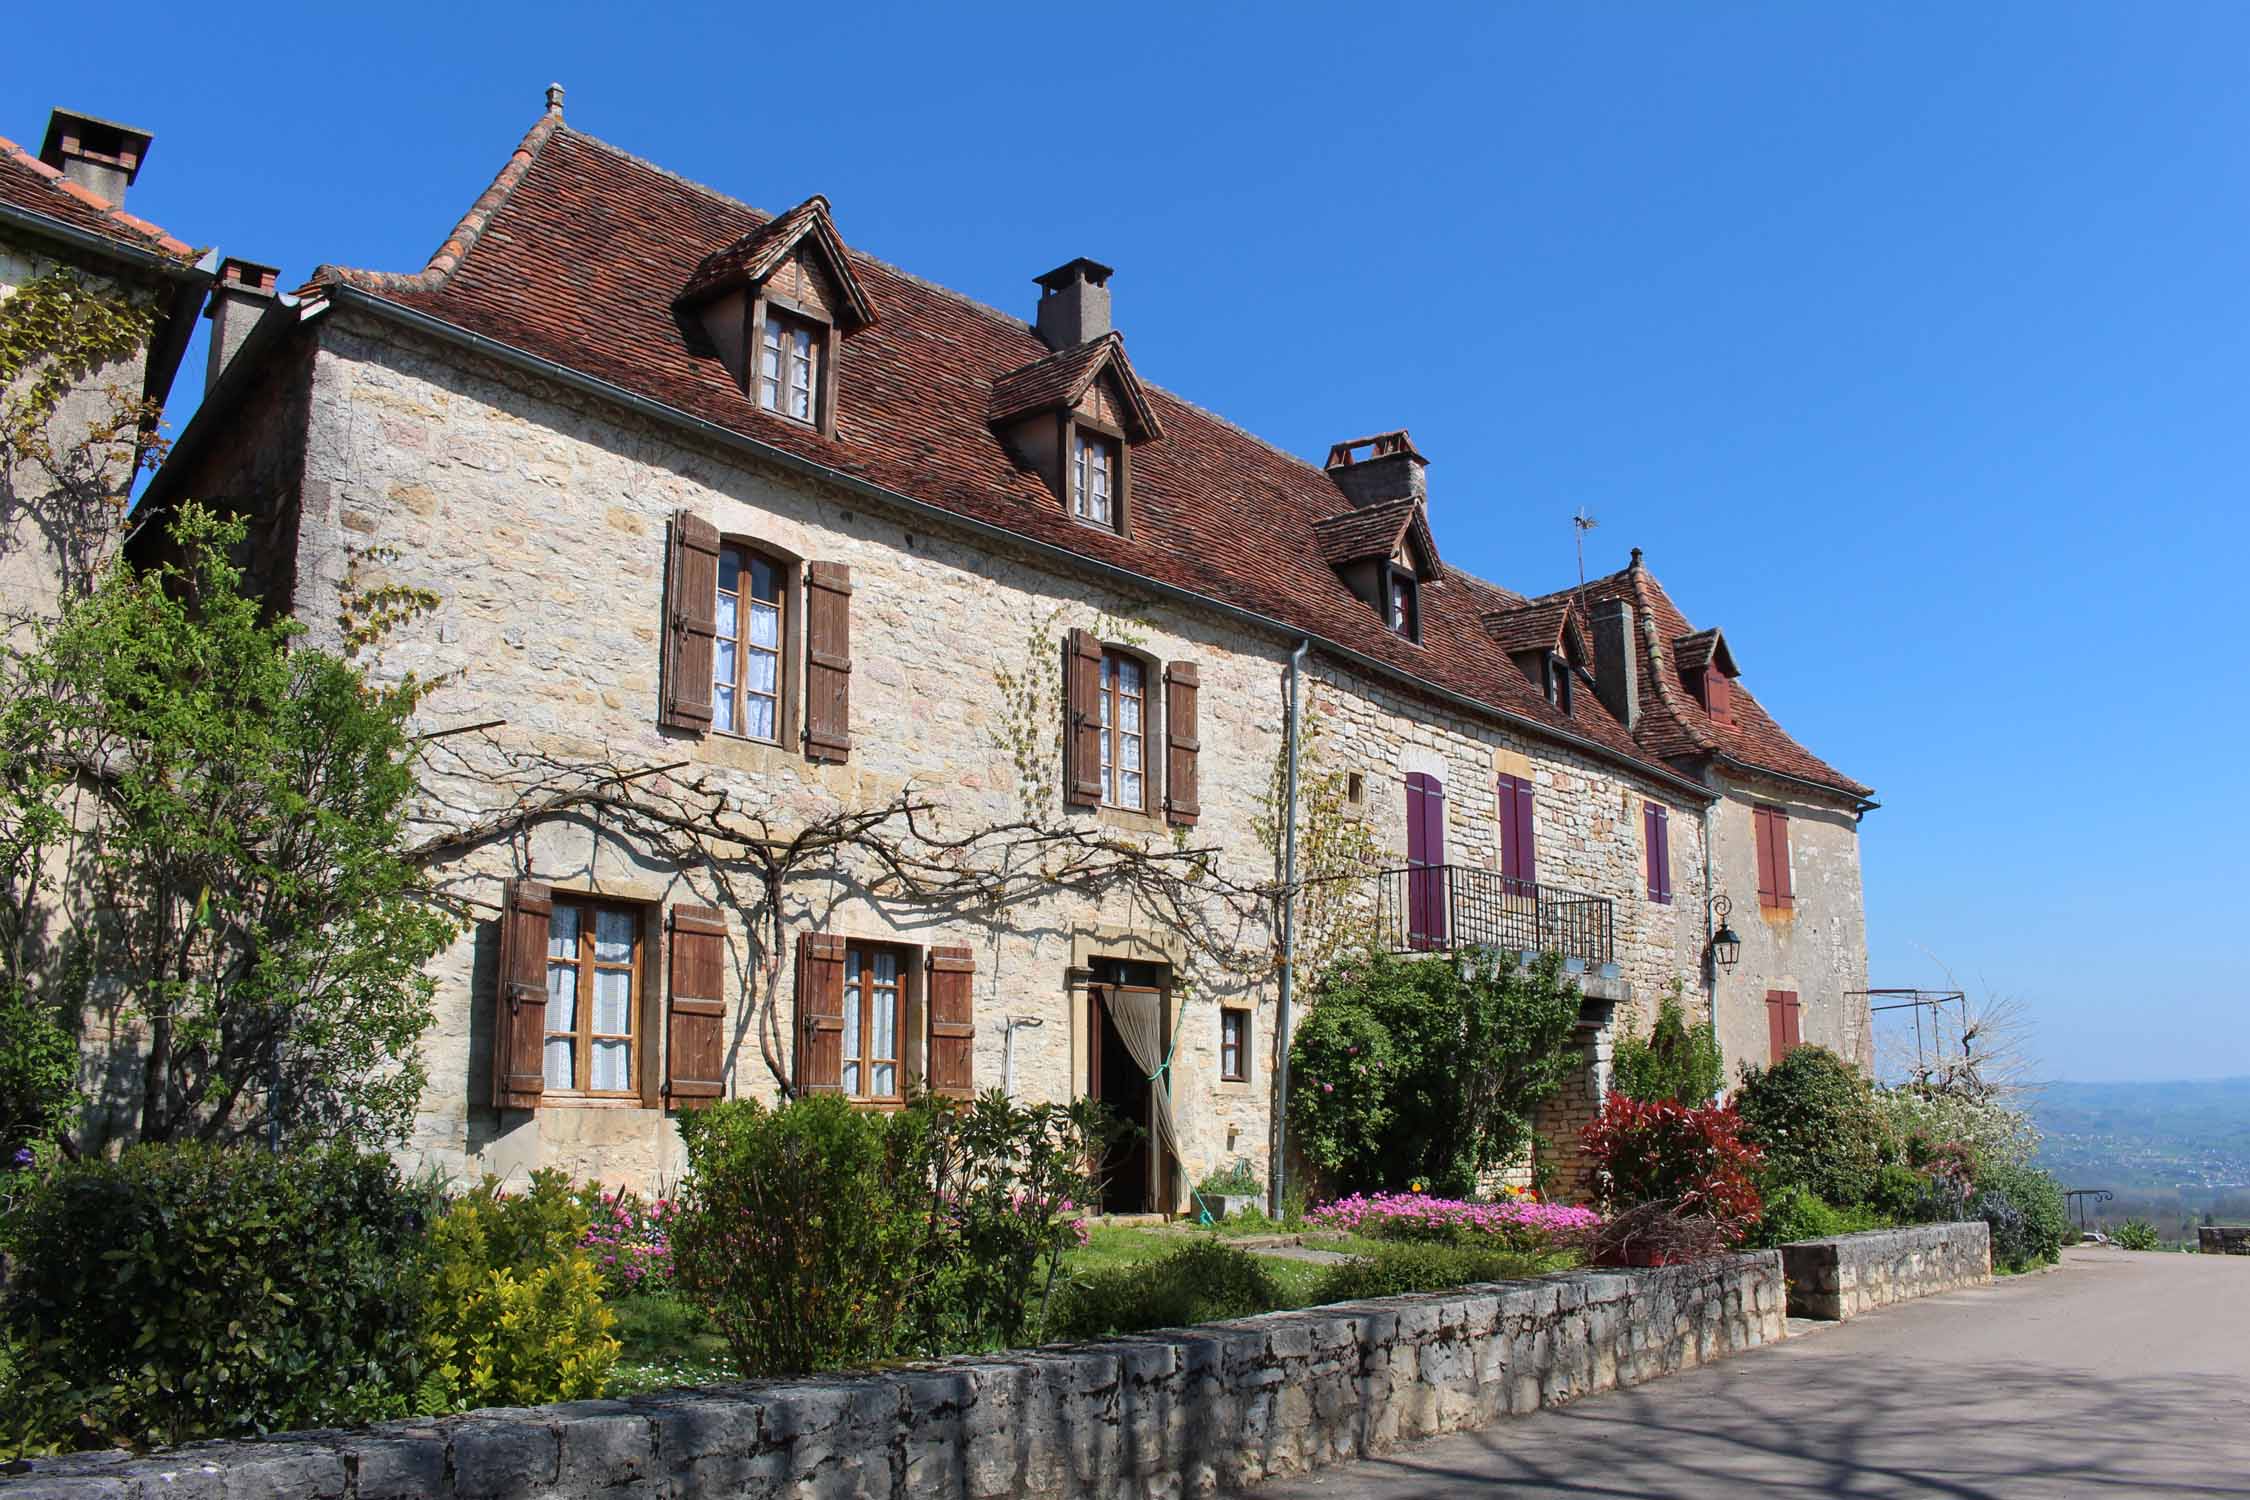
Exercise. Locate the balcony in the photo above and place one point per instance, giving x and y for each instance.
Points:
(1438, 908)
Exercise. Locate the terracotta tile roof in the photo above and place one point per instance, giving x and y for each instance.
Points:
(27, 182)
(1376, 531)
(761, 252)
(1060, 378)
(577, 252)
(1549, 627)
(1673, 723)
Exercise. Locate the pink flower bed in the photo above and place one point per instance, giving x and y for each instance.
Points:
(1419, 1213)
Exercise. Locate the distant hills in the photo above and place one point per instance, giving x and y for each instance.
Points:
(2193, 1136)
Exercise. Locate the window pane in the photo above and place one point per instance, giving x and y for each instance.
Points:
(851, 1080)
(1129, 748)
(885, 1080)
(765, 580)
(886, 969)
(772, 339)
(1129, 788)
(1129, 715)
(722, 708)
(730, 620)
(562, 1063)
(722, 661)
(562, 997)
(765, 625)
(562, 932)
(769, 394)
(613, 1066)
(758, 718)
(852, 969)
(613, 936)
(762, 670)
(1129, 674)
(800, 404)
(730, 569)
(613, 1002)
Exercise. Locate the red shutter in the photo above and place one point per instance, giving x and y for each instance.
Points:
(1762, 823)
(1719, 695)
(952, 1010)
(1082, 724)
(695, 1044)
(828, 661)
(519, 1030)
(1182, 788)
(1795, 1013)
(820, 1013)
(691, 622)
(1777, 823)
(1777, 1025)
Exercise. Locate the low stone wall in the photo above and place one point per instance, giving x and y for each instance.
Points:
(2223, 1239)
(1856, 1273)
(1184, 1411)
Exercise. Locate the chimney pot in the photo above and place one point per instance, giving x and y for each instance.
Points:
(1616, 682)
(1388, 469)
(555, 99)
(99, 155)
(1074, 303)
(239, 298)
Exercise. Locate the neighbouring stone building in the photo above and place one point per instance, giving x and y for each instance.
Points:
(847, 685)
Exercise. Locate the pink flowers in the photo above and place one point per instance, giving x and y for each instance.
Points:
(1415, 1212)
(631, 1241)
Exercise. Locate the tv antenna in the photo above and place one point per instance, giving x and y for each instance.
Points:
(1584, 523)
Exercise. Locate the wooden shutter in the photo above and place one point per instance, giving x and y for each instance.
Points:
(519, 1029)
(1795, 1012)
(1784, 892)
(1782, 1021)
(1656, 828)
(820, 1013)
(828, 661)
(1762, 824)
(691, 623)
(1182, 745)
(951, 1054)
(1082, 722)
(695, 1039)
(1519, 853)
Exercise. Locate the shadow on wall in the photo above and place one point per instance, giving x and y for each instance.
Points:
(1970, 1432)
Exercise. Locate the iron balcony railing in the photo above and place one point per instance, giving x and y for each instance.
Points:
(1437, 908)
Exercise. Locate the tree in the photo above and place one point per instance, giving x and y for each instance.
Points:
(1675, 1061)
(227, 889)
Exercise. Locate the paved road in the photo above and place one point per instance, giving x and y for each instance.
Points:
(2117, 1375)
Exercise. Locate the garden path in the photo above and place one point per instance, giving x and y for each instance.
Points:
(2118, 1373)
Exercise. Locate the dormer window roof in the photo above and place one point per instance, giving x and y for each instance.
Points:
(1075, 416)
(1708, 671)
(774, 306)
(1547, 642)
(1393, 530)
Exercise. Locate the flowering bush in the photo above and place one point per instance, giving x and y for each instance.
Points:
(630, 1238)
(1519, 1223)
(1692, 1159)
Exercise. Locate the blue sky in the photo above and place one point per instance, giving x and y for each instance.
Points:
(1909, 341)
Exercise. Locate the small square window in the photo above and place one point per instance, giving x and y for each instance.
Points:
(1404, 610)
(1234, 1045)
(789, 367)
(1558, 683)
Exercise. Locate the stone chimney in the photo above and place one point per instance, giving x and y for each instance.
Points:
(1616, 682)
(239, 298)
(1074, 303)
(1387, 469)
(101, 156)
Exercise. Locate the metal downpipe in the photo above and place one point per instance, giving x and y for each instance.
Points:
(1280, 1163)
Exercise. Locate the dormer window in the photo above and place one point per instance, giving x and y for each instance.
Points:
(1405, 615)
(1093, 476)
(1708, 670)
(1558, 682)
(788, 366)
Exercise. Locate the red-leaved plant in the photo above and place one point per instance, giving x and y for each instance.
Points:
(1693, 1161)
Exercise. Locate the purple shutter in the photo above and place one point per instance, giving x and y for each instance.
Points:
(1425, 861)
(1657, 824)
(1519, 857)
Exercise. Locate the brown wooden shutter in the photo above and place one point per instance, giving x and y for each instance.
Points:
(1761, 821)
(828, 661)
(691, 622)
(951, 1055)
(820, 1013)
(1082, 723)
(1796, 1014)
(1777, 1025)
(1784, 892)
(695, 1040)
(519, 1029)
(1182, 744)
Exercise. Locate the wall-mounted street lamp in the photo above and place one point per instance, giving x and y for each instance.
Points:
(1726, 943)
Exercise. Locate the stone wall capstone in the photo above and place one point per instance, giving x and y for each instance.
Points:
(1182, 1411)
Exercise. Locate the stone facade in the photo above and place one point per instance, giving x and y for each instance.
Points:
(1178, 1412)
(1843, 1277)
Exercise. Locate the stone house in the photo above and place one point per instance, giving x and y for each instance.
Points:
(846, 685)
(64, 209)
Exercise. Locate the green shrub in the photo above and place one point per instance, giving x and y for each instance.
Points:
(1814, 1117)
(1675, 1061)
(1403, 1071)
(2136, 1234)
(1406, 1266)
(1237, 1181)
(515, 1314)
(2029, 1219)
(1795, 1213)
(796, 1230)
(1989, 1130)
(38, 1075)
(184, 1292)
(1200, 1282)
